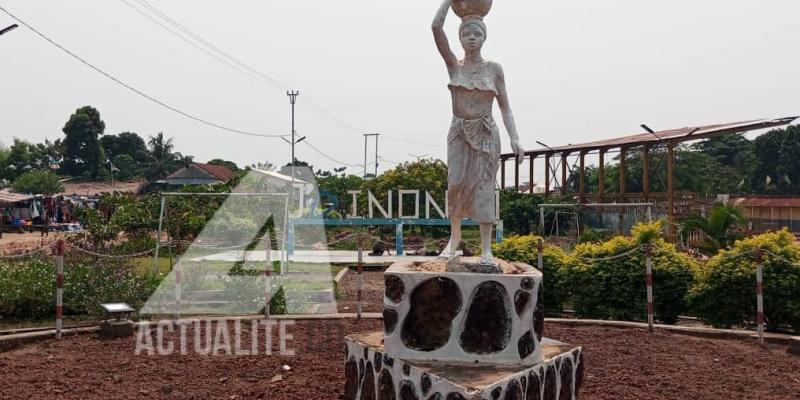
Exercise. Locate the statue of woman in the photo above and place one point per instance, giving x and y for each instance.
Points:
(473, 144)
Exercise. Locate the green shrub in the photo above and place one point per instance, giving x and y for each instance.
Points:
(724, 293)
(616, 288)
(27, 288)
(523, 249)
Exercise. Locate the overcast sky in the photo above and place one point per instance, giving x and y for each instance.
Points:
(576, 70)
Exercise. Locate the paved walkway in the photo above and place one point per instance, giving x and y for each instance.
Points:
(312, 256)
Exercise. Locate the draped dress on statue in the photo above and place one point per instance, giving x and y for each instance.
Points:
(473, 152)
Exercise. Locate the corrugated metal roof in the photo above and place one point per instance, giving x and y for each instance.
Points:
(681, 135)
(6, 196)
(767, 201)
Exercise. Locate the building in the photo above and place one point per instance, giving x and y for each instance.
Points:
(199, 174)
(771, 213)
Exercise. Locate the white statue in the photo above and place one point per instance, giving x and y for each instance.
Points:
(473, 144)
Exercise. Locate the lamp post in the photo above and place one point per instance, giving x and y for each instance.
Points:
(8, 29)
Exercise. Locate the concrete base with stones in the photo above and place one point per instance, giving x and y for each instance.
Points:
(372, 375)
(794, 346)
(434, 314)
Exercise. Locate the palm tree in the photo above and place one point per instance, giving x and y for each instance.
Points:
(159, 156)
(719, 228)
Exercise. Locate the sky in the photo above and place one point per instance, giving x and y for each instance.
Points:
(576, 71)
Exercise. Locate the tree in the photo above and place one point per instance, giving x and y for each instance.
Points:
(42, 182)
(160, 157)
(83, 155)
(224, 163)
(24, 156)
(776, 169)
(125, 143)
(718, 228)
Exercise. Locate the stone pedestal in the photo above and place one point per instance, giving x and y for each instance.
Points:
(371, 374)
(116, 329)
(431, 314)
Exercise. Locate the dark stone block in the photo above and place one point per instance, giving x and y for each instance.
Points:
(366, 353)
(566, 379)
(496, 393)
(578, 372)
(521, 300)
(523, 382)
(538, 320)
(368, 384)
(378, 361)
(350, 380)
(388, 361)
(436, 396)
(526, 345)
(434, 305)
(408, 391)
(425, 384)
(385, 386)
(394, 288)
(361, 370)
(455, 396)
(406, 369)
(488, 325)
(346, 352)
(550, 383)
(534, 391)
(513, 391)
(527, 283)
(390, 318)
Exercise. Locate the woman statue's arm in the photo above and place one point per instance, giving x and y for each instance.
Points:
(508, 115)
(439, 36)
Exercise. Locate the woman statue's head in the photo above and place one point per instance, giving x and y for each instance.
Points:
(472, 33)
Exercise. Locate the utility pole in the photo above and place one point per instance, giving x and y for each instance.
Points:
(9, 29)
(366, 138)
(293, 100)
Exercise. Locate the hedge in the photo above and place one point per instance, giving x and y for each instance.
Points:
(724, 293)
(523, 249)
(615, 288)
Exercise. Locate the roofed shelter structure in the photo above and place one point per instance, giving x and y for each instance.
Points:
(669, 139)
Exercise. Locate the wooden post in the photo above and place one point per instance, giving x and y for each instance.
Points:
(650, 307)
(268, 276)
(564, 162)
(360, 293)
(502, 173)
(760, 295)
(59, 287)
(602, 175)
(646, 171)
(547, 174)
(671, 187)
(530, 171)
(540, 255)
(623, 153)
(582, 179)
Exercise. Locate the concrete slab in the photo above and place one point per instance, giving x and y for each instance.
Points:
(794, 346)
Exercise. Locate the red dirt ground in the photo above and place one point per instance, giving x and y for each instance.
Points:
(621, 364)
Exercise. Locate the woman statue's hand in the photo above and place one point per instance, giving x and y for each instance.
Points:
(518, 150)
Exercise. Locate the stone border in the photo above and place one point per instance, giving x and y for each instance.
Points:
(775, 338)
(9, 342)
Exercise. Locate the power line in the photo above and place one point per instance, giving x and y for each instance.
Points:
(329, 157)
(133, 89)
(252, 72)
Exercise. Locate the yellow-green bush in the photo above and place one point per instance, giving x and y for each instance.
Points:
(724, 293)
(523, 249)
(600, 287)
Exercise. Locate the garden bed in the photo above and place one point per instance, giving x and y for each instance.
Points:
(621, 364)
